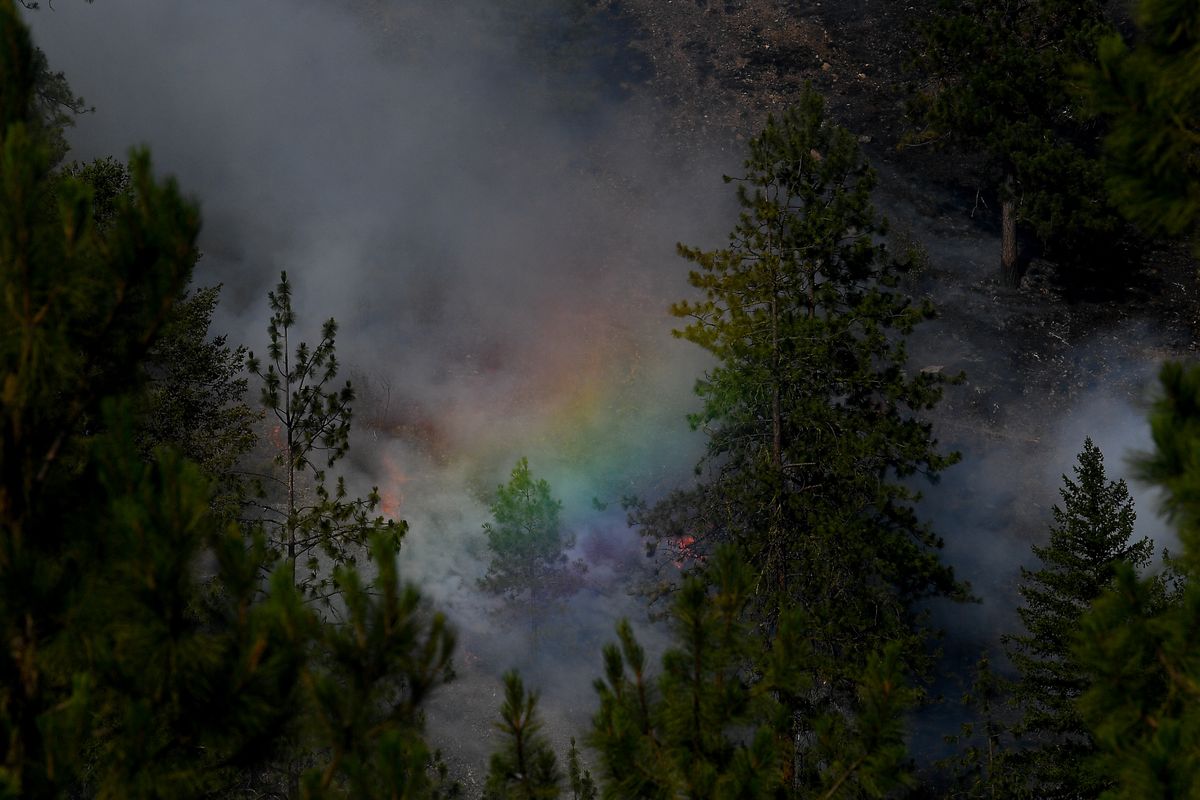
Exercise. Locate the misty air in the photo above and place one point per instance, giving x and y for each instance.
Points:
(588, 399)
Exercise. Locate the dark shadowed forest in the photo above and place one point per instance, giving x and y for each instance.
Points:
(708, 399)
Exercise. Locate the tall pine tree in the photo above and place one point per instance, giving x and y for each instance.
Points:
(1138, 644)
(811, 412)
(109, 684)
(313, 527)
(121, 677)
(1091, 535)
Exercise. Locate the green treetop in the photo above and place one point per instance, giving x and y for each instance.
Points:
(195, 399)
(528, 545)
(121, 676)
(1090, 536)
(108, 684)
(305, 520)
(526, 767)
(1149, 94)
(717, 723)
(1138, 645)
(811, 411)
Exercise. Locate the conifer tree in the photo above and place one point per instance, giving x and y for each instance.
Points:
(195, 399)
(525, 768)
(578, 778)
(811, 411)
(1091, 535)
(367, 688)
(528, 545)
(984, 766)
(718, 723)
(999, 82)
(1149, 95)
(109, 686)
(305, 520)
(120, 676)
(1138, 644)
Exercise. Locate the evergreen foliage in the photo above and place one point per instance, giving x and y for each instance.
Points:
(1149, 94)
(305, 520)
(999, 82)
(122, 677)
(811, 412)
(528, 545)
(368, 684)
(1090, 536)
(983, 766)
(578, 778)
(526, 767)
(712, 727)
(55, 106)
(109, 181)
(195, 399)
(107, 682)
(1138, 644)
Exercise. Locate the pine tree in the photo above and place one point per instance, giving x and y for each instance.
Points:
(526, 767)
(305, 520)
(810, 412)
(194, 391)
(999, 82)
(528, 545)
(109, 685)
(1149, 94)
(121, 677)
(984, 767)
(1090, 536)
(1138, 644)
(578, 778)
(367, 687)
(195, 399)
(717, 723)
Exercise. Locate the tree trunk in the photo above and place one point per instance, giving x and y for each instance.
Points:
(1010, 272)
(776, 410)
(291, 465)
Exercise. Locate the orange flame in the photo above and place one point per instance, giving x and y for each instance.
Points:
(391, 495)
(684, 549)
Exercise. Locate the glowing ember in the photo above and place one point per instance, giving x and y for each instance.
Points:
(684, 549)
(391, 494)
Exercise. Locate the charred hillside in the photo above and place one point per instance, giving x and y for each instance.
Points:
(1067, 354)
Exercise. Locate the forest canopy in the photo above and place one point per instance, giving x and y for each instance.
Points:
(201, 598)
